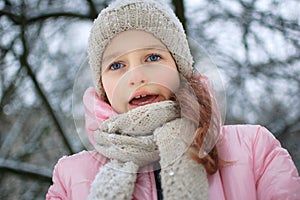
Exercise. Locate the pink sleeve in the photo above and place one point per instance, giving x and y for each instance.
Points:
(58, 190)
(275, 173)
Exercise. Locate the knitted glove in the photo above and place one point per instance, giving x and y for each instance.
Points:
(114, 188)
(181, 176)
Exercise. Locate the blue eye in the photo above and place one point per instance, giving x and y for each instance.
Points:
(116, 66)
(153, 58)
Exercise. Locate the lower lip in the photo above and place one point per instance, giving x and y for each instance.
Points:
(157, 99)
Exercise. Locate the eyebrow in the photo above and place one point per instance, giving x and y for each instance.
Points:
(117, 54)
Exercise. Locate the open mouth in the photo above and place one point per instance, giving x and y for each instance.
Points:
(141, 100)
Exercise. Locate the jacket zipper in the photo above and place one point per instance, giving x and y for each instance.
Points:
(158, 182)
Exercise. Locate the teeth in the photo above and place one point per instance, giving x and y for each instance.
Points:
(140, 96)
(143, 103)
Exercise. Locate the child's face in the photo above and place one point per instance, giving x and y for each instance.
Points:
(137, 69)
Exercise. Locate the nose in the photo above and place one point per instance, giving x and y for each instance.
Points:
(137, 76)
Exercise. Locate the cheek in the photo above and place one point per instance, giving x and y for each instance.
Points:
(116, 92)
(166, 76)
(109, 87)
(170, 80)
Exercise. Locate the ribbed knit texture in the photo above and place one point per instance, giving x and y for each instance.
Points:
(129, 136)
(151, 16)
(182, 177)
(165, 136)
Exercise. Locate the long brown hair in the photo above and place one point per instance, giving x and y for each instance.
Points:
(198, 105)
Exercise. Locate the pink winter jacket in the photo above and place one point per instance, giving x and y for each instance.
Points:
(260, 168)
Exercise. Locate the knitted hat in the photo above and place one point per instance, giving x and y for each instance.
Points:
(151, 16)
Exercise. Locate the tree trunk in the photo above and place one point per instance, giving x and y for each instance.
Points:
(180, 11)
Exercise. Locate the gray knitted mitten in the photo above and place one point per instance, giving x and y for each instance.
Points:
(182, 177)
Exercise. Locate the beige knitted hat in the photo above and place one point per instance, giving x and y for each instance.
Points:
(151, 16)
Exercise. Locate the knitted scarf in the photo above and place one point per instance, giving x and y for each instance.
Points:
(140, 137)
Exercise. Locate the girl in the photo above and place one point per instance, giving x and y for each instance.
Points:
(155, 126)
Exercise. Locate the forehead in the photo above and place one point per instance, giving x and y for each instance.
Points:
(131, 40)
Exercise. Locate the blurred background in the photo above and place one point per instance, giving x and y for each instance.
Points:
(254, 43)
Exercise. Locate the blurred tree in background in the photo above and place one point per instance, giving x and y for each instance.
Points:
(255, 44)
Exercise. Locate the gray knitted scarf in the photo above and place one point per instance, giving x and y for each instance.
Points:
(140, 137)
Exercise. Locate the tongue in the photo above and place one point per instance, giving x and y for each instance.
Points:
(143, 100)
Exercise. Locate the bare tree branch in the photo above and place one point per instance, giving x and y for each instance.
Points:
(13, 134)
(180, 12)
(24, 62)
(34, 171)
